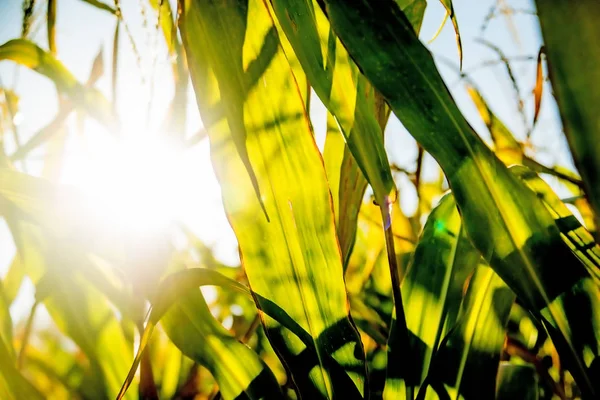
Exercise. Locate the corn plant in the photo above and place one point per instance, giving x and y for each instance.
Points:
(489, 290)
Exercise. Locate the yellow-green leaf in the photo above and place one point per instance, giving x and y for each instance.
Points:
(28, 54)
(240, 68)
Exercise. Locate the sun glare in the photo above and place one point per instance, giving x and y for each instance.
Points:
(137, 184)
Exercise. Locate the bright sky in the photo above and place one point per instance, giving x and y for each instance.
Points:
(83, 30)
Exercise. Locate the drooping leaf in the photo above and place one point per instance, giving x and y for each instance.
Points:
(436, 276)
(450, 11)
(347, 185)
(467, 362)
(539, 85)
(192, 328)
(13, 385)
(28, 54)
(569, 31)
(503, 218)
(241, 68)
(102, 6)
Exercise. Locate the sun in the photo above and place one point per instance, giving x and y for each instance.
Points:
(137, 184)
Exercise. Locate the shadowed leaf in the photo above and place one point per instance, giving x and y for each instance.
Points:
(570, 33)
(503, 218)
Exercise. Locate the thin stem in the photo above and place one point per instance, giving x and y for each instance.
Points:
(397, 295)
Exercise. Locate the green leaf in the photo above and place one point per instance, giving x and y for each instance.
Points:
(570, 35)
(467, 361)
(503, 218)
(347, 186)
(237, 369)
(580, 241)
(31, 56)
(414, 11)
(102, 6)
(188, 322)
(242, 69)
(6, 327)
(341, 88)
(436, 276)
(13, 279)
(13, 386)
(517, 381)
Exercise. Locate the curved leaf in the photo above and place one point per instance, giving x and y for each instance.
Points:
(30, 55)
(504, 219)
(295, 264)
(187, 320)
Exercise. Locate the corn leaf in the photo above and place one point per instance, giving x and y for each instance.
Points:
(28, 54)
(341, 88)
(467, 361)
(570, 31)
(347, 186)
(436, 276)
(189, 323)
(414, 11)
(450, 12)
(241, 68)
(517, 381)
(102, 6)
(237, 369)
(13, 386)
(505, 220)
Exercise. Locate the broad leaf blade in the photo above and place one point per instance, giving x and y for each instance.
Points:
(436, 276)
(504, 219)
(341, 88)
(467, 363)
(297, 259)
(238, 370)
(570, 35)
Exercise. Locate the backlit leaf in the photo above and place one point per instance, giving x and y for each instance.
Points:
(503, 218)
(296, 264)
(28, 54)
